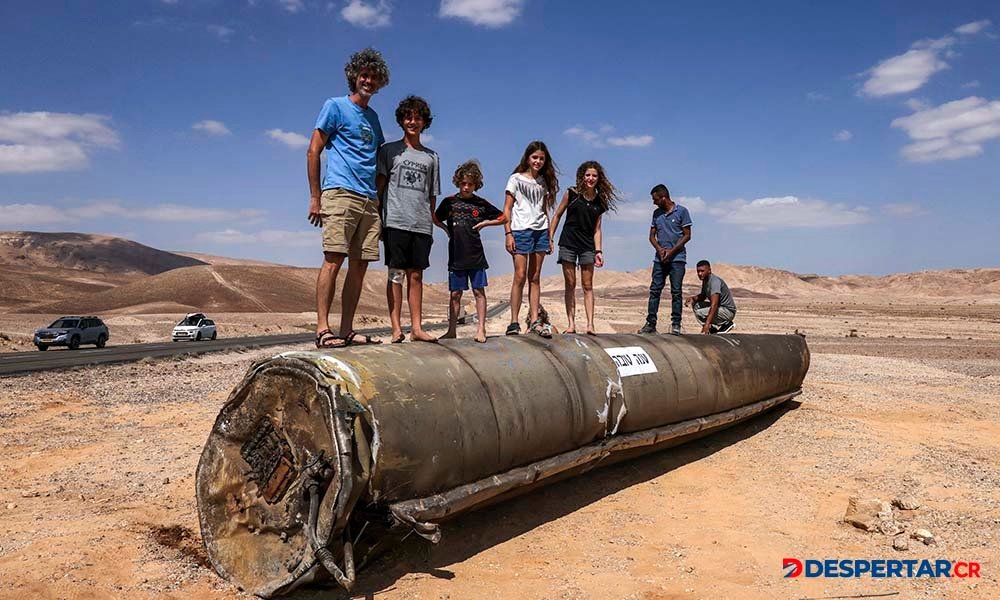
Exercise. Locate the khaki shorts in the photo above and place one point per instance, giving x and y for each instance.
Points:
(351, 224)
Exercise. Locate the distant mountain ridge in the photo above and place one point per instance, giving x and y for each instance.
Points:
(87, 252)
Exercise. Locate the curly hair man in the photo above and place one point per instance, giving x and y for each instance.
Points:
(344, 202)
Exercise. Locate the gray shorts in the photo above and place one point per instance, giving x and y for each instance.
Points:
(573, 257)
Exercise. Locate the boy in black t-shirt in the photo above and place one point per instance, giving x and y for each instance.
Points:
(465, 214)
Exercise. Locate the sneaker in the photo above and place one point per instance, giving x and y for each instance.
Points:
(675, 329)
(647, 328)
(513, 329)
(726, 328)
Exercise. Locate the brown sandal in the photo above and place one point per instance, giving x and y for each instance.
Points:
(360, 339)
(327, 339)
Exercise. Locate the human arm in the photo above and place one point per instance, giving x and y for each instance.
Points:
(598, 243)
(441, 214)
(316, 145)
(554, 221)
(714, 308)
(685, 238)
(508, 206)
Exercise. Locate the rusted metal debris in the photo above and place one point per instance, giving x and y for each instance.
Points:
(320, 458)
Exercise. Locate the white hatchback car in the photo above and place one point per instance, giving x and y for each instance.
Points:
(194, 327)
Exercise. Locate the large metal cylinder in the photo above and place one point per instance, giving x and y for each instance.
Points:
(319, 456)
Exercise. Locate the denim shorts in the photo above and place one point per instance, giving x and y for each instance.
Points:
(527, 241)
(458, 281)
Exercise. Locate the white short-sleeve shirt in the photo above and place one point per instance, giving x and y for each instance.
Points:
(529, 203)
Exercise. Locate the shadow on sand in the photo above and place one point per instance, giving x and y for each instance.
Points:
(469, 534)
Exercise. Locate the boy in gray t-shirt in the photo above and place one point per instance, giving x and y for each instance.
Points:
(408, 180)
(714, 306)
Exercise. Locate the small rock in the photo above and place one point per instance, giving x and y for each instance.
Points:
(870, 514)
(922, 535)
(901, 543)
(166, 480)
(29, 494)
(906, 503)
(11, 506)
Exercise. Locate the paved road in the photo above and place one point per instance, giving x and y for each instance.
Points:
(13, 363)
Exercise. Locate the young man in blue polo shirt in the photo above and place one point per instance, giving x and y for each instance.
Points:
(346, 206)
(669, 232)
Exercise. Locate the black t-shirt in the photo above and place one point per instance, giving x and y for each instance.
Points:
(581, 223)
(465, 247)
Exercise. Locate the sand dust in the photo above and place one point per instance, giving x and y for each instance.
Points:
(97, 467)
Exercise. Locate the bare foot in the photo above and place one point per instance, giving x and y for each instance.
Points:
(421, 336)
(448, 335)
(480, 337)
(570, 330)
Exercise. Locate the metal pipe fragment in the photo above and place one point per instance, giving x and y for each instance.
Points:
(389, 440)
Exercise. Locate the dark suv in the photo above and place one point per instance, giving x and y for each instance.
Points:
(72, 331)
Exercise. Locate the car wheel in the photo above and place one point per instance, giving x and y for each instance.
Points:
(42, 347)
(102, 340)
(215, 334)
(74, 342)
(197, 337)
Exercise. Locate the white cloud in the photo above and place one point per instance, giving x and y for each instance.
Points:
(632, 141)
(487, 13)
(903, 209)
(269, 237)
(292, 6)
(843, 136)
(904, 73)
(788, 212)
(369, 15)
(911, 70)
(220, 31)
(951, 131)
(35, 214)
(33, 142)
(642, 211)
(916, 104)
(971, 84)
(288, 138)
(973, 28)
(598, 138)
(212, 127)
(20, 215)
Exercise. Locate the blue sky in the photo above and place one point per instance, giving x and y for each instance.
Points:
(847, 137)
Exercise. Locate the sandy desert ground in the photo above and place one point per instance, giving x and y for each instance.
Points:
(97, 466)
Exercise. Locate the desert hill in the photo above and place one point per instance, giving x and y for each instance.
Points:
(86, 252)
(212, 259)
(226, 288)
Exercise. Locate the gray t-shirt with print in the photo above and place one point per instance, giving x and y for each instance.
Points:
(413, 177)
(714, 284)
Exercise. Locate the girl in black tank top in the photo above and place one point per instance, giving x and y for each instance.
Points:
(580, 242)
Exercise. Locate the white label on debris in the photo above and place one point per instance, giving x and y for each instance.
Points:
(631, 360)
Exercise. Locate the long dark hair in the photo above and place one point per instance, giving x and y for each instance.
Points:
(549, 173)
(607, 194)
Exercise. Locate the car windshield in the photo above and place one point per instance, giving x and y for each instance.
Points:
(65, 324)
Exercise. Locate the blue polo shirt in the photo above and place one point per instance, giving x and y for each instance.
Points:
(669, 228)
(355, 136)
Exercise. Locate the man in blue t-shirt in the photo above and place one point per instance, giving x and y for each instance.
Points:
(669, 232)
(346, 204)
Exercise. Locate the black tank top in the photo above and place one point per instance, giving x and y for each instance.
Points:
(581, 223)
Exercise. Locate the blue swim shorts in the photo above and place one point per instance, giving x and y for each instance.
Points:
(459, 280)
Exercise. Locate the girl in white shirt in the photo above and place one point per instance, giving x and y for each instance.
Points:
(531, 193)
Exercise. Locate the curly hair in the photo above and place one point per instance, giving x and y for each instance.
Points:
(607, 194)
(549, 172)
(369, 60)
(416, 105)
(469, 169)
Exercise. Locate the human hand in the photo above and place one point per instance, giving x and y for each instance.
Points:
(689, 300)
(662, 253)
(706, 329)
(599, 260)
(479, 226)
(552, 247)
(509, 243)
(315, 216)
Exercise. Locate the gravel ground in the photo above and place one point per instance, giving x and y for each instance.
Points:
(97, 467)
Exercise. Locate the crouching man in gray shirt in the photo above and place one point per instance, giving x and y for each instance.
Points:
(714, 306)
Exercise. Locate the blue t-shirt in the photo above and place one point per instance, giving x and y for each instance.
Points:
(355, 136)
(669, 229)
